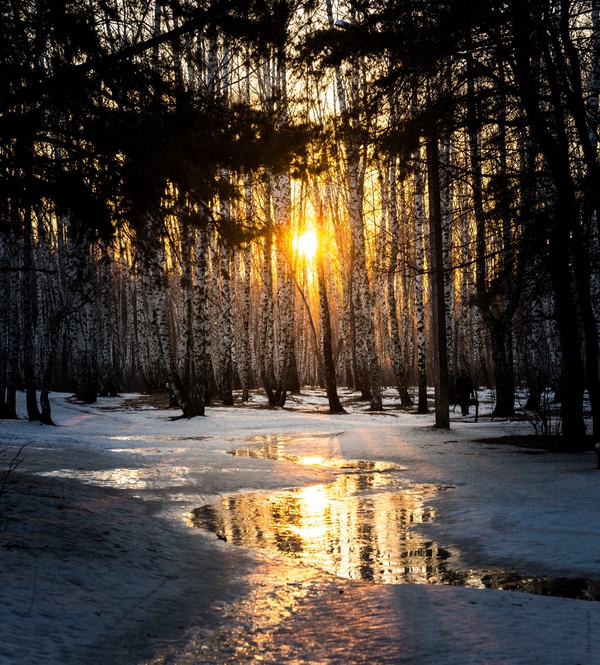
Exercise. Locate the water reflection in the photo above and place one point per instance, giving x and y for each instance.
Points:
(276, 451)
(357, 527)
(137, 478)
(148, 437)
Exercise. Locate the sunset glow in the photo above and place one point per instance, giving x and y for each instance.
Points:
(306, 243)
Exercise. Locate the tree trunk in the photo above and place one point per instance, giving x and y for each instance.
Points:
(498, 322)
(282, 211)
(535, 374)
(419, 189)
(267, 350)
(247, 259)
(503, 369)
(335, 405)
(226, 378)
(394, 337)
(442, 410)
(200, 321)
(181, 393)
(4, 327)
(446, 212)
(33, 412)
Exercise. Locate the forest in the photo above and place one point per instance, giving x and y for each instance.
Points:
(230, 195)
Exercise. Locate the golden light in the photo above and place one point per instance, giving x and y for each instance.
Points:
(306, 243)
(316, 460)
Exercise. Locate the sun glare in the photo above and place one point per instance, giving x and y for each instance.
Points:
(306, 243)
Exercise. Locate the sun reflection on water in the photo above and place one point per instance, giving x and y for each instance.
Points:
(359, 526)
(277, 452)
(136, 478)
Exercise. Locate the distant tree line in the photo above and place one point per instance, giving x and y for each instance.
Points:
(160, 161)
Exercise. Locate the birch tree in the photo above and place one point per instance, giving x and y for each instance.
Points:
(367, 364)
(396, 353)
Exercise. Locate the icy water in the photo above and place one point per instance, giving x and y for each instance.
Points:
(361, 526)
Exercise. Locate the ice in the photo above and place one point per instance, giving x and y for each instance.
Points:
(101, 564)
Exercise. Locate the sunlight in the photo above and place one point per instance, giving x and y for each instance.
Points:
(332, 526)
(306, 243)
(316, 460)
(315, 500)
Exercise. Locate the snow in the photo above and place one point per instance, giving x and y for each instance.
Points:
(100, 563)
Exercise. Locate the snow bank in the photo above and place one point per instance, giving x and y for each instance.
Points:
(100, 565)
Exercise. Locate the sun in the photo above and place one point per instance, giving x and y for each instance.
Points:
(306, 243)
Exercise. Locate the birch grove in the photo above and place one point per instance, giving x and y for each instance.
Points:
(155, 206)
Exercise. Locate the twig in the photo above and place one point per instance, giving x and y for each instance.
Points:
(14, 463)
(33, 594)
(12, 546)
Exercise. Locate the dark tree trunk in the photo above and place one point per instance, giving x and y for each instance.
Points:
(293, 376)
(335, 405)
(442, 405)
(46, 415)
(534, 399)
(582, 271)
(108, 389)
(572, 377)
(422, 406)
(33, 412)
(503, 369)
(87, 385)
(554, 143)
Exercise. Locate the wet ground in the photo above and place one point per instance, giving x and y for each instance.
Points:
(147, 542)
(361, 527)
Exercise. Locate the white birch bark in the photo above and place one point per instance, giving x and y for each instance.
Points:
(159, 288)
(246, 285)
(106, 321)
(157, 22)
(28, 336)
(200, 319)
(266, 333)
(594, 82)
(226, 350)
(285, 302)
(419, 190)
(479, 361)
(362, 299)
(404, 280)
(213, 361)
(4, 329)
(14, 331)
(141, 334)
(126, 313)
(447, 225)
(154, 257)
(342, 289)
(225, 347)
(213, 57)
(464, 335)
(185, 341)
(394, 340)
(54, 308)
(78, 292)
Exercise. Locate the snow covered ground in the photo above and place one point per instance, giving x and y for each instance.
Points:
(100, 562)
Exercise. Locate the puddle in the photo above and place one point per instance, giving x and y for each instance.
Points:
(275, 452)
(361, 526)
(139, 479)
(148, 437)
(356, 527)
(145, 452)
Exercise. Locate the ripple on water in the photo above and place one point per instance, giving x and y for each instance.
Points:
(360, 526)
